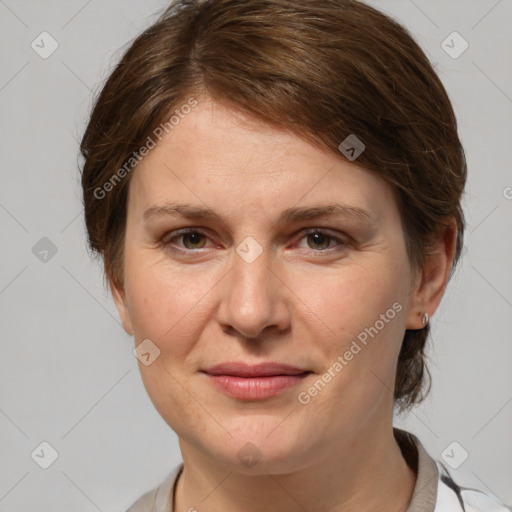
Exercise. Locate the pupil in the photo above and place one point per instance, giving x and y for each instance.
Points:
(319, 239)
(195, 238)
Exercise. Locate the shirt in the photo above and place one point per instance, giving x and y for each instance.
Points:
(434, 491)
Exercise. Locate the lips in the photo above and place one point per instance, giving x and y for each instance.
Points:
(260, 370)
(254, 382)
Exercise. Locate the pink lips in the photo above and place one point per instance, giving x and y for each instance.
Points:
(254, 382)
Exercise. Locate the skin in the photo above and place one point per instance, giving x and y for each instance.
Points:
(302, 301)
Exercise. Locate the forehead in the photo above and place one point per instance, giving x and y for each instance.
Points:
(220, 138)
(219, 156)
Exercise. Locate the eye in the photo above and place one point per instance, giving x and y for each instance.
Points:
(320, 240)
(192, 239)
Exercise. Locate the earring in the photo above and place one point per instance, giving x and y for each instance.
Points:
(425, 319)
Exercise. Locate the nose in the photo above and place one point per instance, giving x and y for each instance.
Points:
(253, 297)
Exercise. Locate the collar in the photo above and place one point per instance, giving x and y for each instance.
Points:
(424, 495)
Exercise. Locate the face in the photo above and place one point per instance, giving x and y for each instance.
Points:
(263, 279)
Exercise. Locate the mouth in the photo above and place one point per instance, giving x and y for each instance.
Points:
(254, 382)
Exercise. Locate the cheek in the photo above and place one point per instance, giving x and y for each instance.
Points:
(161, 298)
(165, 307)
(354, 297)
(360, 317)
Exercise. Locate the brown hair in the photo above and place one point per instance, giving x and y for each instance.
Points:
(321, 69)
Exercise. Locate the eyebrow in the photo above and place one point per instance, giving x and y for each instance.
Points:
(290, 215)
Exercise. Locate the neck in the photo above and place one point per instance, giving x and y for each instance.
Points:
(367, 472)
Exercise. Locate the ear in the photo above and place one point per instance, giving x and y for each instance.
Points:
(433, 278)
(119, 296)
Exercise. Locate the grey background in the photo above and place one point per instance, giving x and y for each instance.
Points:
(67, 371)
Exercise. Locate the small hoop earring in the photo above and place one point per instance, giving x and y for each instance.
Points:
(425, 319)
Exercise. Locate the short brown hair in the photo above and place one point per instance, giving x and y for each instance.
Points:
(323, 70)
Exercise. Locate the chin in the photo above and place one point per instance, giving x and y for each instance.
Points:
(261, 445)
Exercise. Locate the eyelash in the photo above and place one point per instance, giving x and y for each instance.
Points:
(168, 241)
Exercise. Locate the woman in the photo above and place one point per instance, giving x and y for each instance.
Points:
(275, 187)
